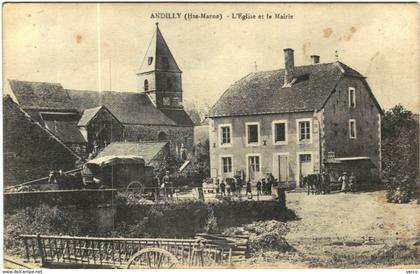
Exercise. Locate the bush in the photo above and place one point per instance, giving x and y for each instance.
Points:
(44, 220)
(400, 189)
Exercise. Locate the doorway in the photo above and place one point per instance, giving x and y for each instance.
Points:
(305, 166)
(283, 168)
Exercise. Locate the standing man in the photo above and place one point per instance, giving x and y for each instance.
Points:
(264, 186)
(248, 189)
(259, 188)
(166, 183)
(223, 188)
(269, 184)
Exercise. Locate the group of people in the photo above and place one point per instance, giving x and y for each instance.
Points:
(265, 185)
(165, 186)
(234, 186)
(230, 186)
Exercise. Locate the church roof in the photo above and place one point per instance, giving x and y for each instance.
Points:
(263, 92)
(158, 56)
(127, 107)
(179, 116)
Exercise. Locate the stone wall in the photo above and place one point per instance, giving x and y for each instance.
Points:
(336, 117)
(176, 135)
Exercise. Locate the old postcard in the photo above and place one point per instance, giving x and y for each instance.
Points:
(210, 135)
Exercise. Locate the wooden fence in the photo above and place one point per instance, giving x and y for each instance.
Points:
(72, 252)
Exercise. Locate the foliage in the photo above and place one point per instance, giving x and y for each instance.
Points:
(400, 153)
(211, 223)
(400, 189)
(200, 163)
(44, 219)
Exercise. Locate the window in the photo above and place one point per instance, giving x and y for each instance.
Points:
(352, 129)
(225, 134)
(305, 158)
(254, 163)
(227, 164)
(352, 97)
(166, 101)
(279, 132)
(176, 101)
(162, 136)
(304, 130)
(168, 84)
(149, 60)
(252, 133)
(146, 85)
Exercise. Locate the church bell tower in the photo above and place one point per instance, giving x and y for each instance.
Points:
(159, 75)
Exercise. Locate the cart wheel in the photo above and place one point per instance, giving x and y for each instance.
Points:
(153, 258)
(135, 187)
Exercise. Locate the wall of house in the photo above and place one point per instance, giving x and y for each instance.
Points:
(30, 152)
(177, 135)
(336, 115)
(113, 126)
(267, 150)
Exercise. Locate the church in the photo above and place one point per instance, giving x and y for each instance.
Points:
(87, 121)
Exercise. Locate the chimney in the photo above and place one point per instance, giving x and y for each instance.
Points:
(315, 59)
(289, 66)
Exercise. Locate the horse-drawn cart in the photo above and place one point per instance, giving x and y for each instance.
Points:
(93, 252)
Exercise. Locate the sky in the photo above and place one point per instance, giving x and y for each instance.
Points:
(101, 46)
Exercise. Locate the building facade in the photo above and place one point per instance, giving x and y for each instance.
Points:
(292, 122)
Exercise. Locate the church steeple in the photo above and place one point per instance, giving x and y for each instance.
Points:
(159, 75)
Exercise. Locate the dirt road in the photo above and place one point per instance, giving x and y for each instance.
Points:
(349, 224)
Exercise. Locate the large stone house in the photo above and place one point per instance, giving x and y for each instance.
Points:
(294, 121)
(90, 120)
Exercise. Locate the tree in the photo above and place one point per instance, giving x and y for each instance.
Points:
(400, 152)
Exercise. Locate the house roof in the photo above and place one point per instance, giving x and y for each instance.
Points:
(147, 150)
(127, 107)
(40, 94)
(91, 113)
(88, 115)
(158, 56)
(264, 92)
(67, 131)
(8, 100)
